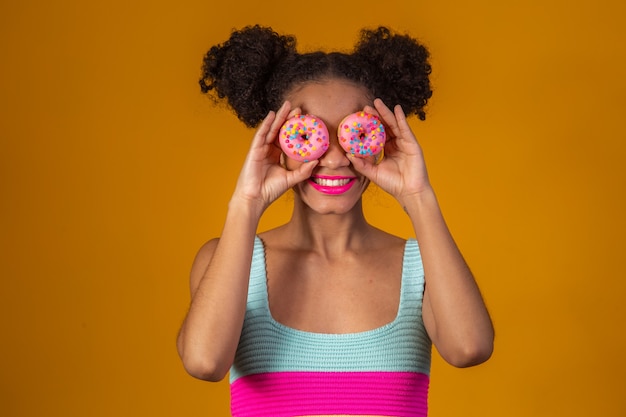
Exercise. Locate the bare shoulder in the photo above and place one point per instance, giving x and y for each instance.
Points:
(384, 241)
(207, 249)
(201, 262)
(277, 239)
(388, 238)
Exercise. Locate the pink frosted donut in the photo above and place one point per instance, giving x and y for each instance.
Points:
(362, 134)
(303, 137)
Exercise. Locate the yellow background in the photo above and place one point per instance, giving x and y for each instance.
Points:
(114, 169)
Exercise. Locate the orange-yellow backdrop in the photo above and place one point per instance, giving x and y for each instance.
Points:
(114, 170)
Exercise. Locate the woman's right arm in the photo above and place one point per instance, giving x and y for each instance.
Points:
(210, 333)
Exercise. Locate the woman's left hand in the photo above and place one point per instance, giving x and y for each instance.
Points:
(402, 171)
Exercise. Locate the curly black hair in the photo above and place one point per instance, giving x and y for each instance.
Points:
(256, 68)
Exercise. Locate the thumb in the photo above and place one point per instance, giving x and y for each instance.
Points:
(304, 171)
(362, 165)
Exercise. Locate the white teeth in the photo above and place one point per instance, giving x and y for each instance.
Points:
(331, 183)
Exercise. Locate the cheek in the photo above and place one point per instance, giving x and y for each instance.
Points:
(290, 164)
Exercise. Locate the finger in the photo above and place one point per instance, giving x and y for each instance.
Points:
(294, 112)
(371, 110)
(281, 116)
(403, 125)
(363, 166)
(260, 136)
(389, 118)
(406, 133)
(303, 172)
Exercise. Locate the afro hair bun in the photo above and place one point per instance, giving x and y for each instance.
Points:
(256, 68)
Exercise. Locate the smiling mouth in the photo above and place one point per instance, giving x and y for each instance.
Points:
(332, 185)
(328, 182)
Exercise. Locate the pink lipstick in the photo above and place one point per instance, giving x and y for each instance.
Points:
(333, 185)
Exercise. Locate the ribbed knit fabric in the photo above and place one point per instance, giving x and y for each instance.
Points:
(283, 372)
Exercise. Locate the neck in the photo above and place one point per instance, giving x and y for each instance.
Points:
(328, 234)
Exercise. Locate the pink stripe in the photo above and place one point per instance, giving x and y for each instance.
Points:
(287, 394)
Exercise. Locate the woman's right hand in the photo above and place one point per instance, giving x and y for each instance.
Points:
(262, 179)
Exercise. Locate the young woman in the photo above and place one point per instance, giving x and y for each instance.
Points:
(327, 314)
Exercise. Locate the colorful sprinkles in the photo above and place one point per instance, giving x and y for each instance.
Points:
(362, 134)
(303, 137)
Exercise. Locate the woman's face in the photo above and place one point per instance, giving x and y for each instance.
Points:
(334, 187)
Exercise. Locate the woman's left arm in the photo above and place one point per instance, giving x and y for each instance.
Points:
(453, 310)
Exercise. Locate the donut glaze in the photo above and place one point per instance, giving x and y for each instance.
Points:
(303, 137)
(362, 134)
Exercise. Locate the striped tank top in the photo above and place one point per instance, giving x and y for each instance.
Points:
(283, 372)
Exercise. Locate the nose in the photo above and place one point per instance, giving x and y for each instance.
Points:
(335, 156)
